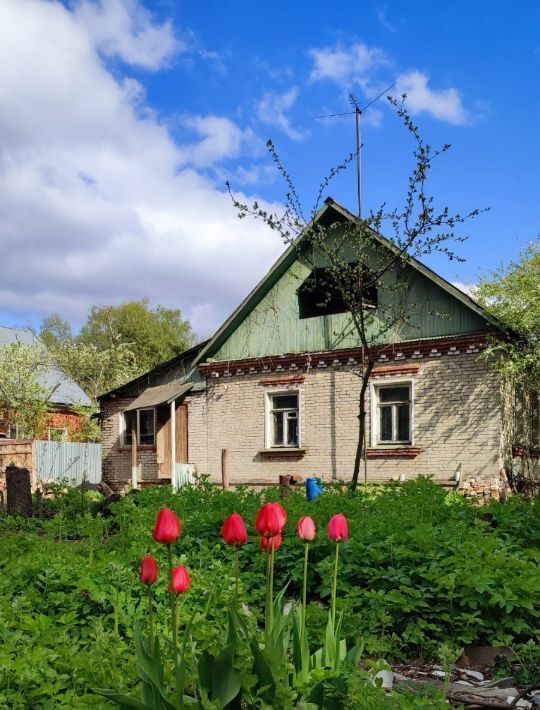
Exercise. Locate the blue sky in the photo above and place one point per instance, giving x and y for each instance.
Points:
(126, 118)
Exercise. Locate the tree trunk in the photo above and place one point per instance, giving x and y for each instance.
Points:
(19, 491)
(362, 424)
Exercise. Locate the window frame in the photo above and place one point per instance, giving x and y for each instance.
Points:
(129, 444)
(269, 422)
(375, 409)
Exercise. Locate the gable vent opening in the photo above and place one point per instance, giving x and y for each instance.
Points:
(319, 296)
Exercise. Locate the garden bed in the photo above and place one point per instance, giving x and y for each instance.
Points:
(423, 575)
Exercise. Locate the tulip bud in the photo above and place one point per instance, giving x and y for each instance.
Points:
(180, 580)
(338, 529)
(306, 528)
(168, 527)
(270, 520)
(149, 570)
(267, 543)
(234, 530)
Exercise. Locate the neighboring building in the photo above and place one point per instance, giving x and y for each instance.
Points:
(64, 419)
(276, 387)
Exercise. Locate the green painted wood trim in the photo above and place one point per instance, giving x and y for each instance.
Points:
(290, 255)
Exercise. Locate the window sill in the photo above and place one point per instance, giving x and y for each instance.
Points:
(140, 447)
(282, 453)
(398, 452)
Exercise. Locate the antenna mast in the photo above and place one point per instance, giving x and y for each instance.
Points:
(358, 113)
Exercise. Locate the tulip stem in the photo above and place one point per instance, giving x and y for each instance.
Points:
(174, 615)
(304, 594)
(271, 610)
(267, 611)
(237, 570)
(150, 619)
(334, 587)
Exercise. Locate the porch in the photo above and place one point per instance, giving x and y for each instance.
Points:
(157, 434)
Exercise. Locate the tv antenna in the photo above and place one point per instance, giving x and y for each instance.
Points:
(358, 110)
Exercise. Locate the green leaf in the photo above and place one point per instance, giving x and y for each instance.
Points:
(204, 668)
(124, 701)
(261, 668)
(226, 681)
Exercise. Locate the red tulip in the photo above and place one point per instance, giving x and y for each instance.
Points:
(234, 530)
(180, 580)
(338, 529)
(149, 570)
(267, 543)
(306, 528)
(168, 527)
(270, 520)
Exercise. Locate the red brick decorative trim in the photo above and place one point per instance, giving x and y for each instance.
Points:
(385, 354)
(282, 453)
(522, 452)
(403, 453)
(285, 380)
(395, 370)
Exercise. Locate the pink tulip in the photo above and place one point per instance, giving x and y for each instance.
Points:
(306, 528)
(338, 529)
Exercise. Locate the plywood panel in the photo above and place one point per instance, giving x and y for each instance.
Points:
(163, 441)
(182, 433)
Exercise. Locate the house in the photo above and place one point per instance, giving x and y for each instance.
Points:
(275, 392)
(64, 418)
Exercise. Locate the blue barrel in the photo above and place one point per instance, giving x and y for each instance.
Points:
(313, 488)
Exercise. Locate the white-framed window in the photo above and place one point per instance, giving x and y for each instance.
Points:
(283, 420)
(144, 423)
(55, 433)
(392, 413)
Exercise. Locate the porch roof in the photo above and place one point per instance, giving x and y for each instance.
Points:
(160, 394)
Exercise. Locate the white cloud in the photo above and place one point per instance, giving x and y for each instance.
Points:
(125, 29)
(382, 15)
(361, 65)
(347, 65)
(444, 104)
(98, 203)
(219, 138)
(272, 109)
(468, 288)
(255, 174)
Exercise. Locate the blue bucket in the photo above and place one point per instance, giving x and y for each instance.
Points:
(314, 488)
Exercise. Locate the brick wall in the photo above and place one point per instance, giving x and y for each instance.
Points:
(456, 424)
(72, 422)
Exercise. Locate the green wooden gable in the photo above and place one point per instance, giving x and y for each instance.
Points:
(268, 322)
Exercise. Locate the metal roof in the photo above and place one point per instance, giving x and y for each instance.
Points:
(63, 389)
(160, 394)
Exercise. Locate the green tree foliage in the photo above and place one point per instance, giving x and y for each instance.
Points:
(154, 334)
(512, 293)
(116, 343)
(23, 394)
(96, 371)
